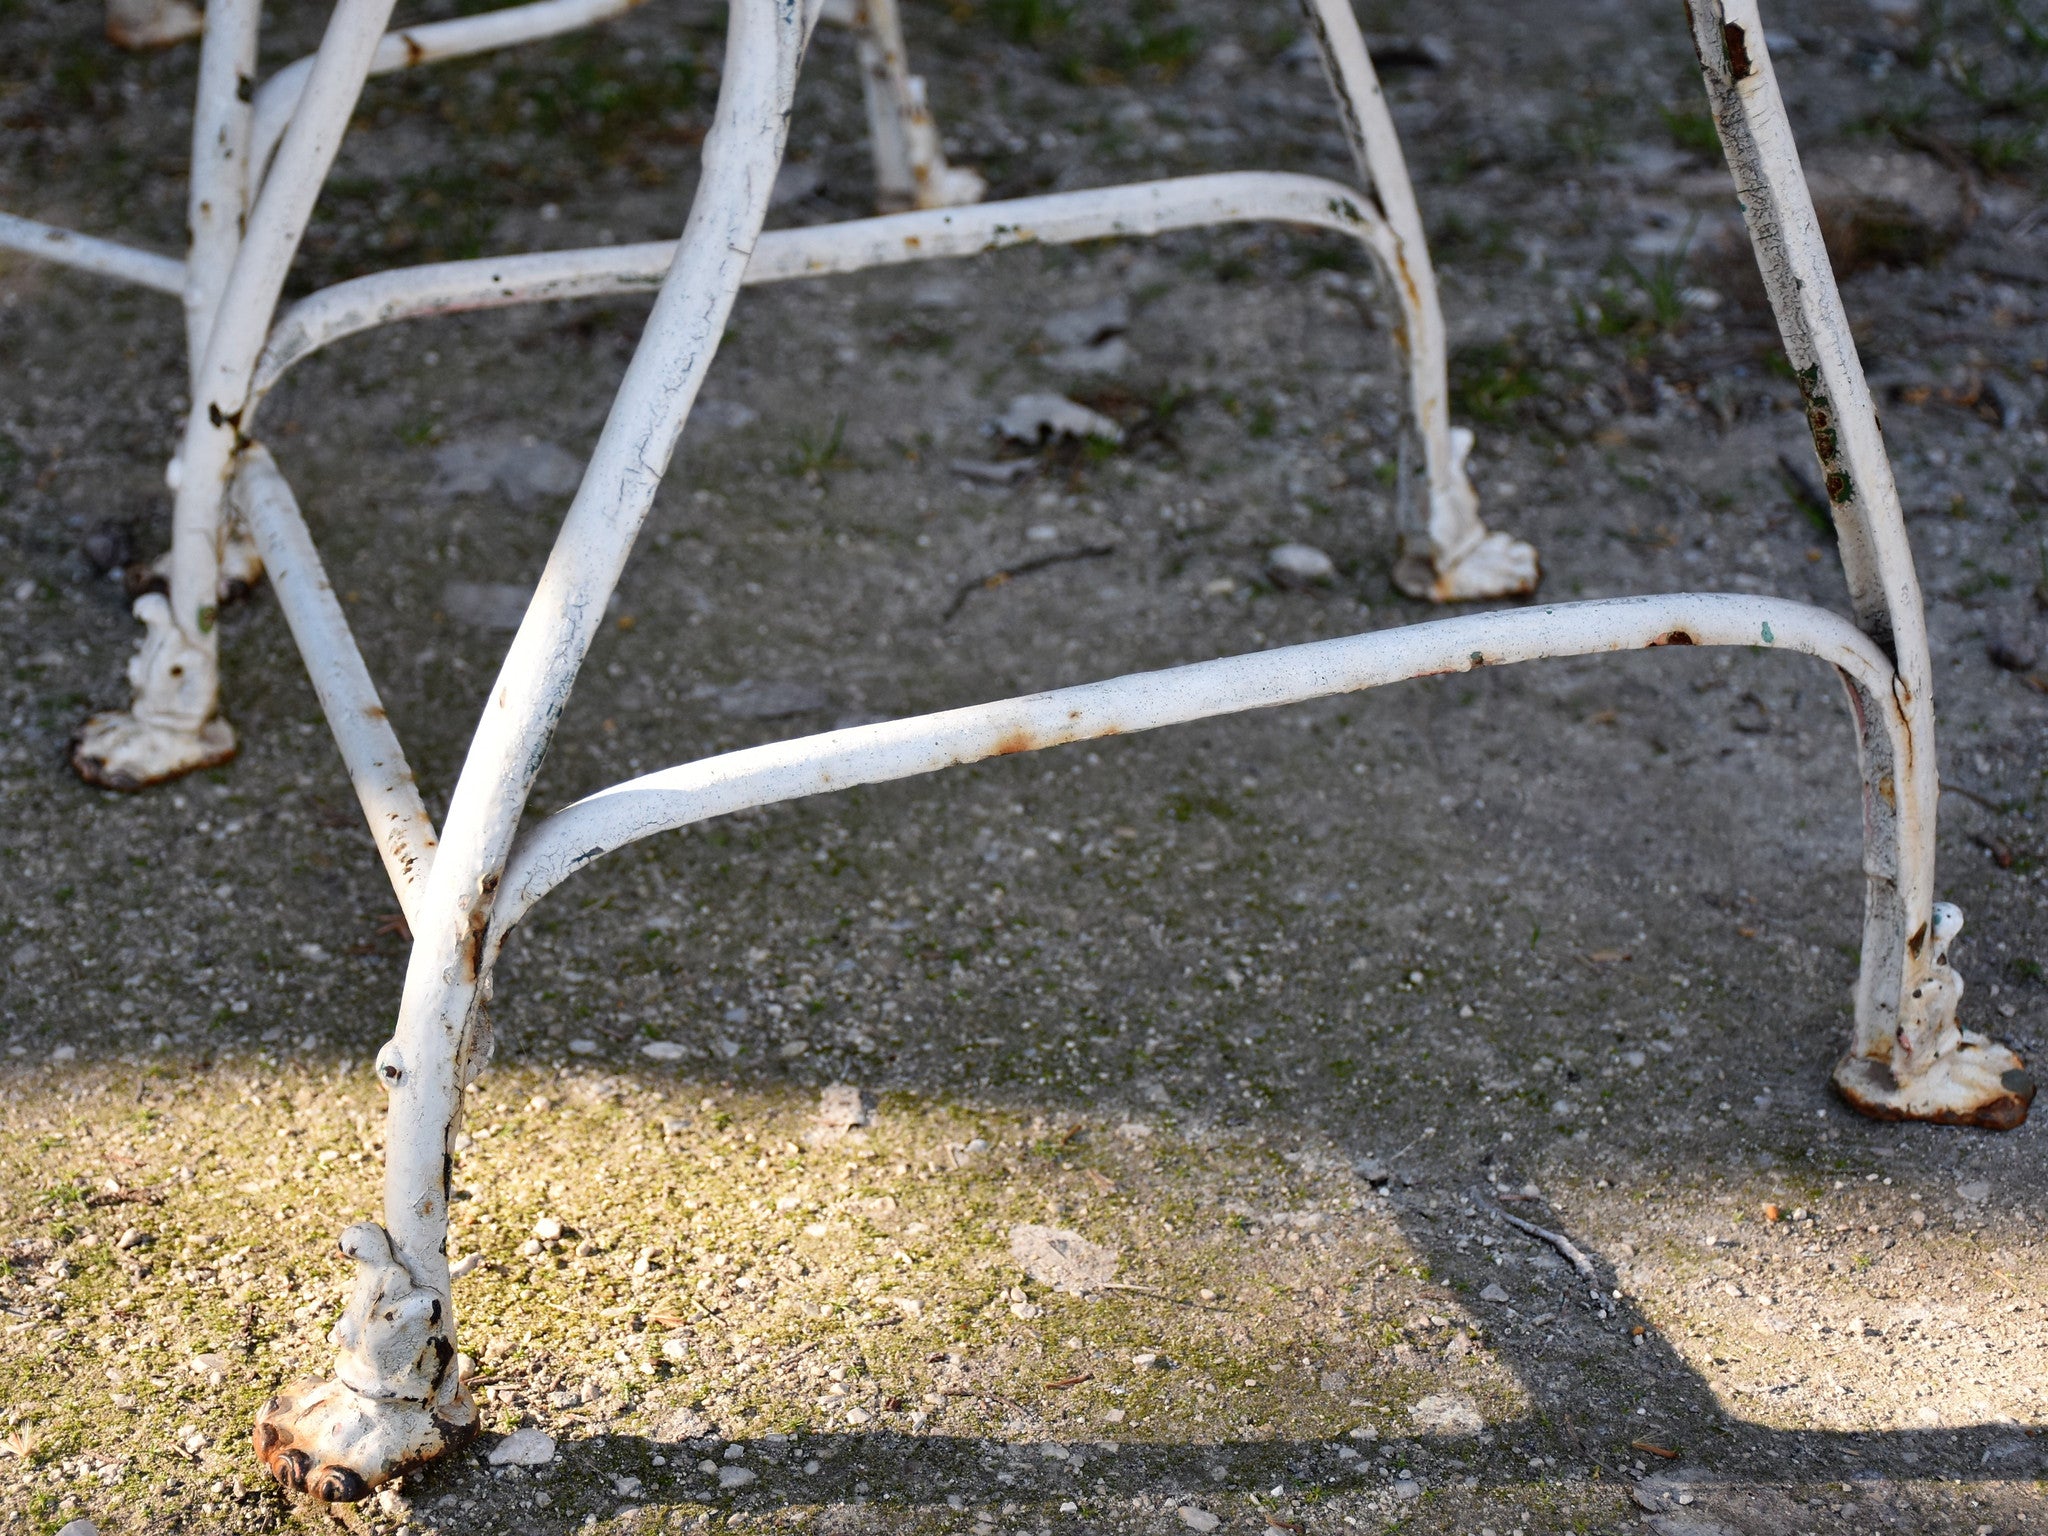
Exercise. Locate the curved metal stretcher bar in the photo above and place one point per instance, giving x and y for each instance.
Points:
(1060, 218)
(383, 782)
(89, 253)
(573, 837)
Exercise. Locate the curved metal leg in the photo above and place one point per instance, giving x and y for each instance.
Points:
(1909, 1059)
(910, 166)
(1447, 554)
(395, 1400)
(173, 726)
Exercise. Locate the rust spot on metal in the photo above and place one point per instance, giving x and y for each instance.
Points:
(1739, 64)
(473, 944)
(376, 712)
(1915, 942)
(1675, 637)
(414, 53)
(1012, 742)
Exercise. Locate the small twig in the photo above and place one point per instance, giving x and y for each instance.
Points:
(1653, 1450)
(1010, 573)
(123, 1197)
(1975, 798)
(1561, 1243)
(1072, 1381)
(795, 1355)
(1157, 1295)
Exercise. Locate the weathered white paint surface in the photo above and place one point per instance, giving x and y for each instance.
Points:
(398, 1396)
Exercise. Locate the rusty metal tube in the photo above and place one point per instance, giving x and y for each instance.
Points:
(249, 296)
(217, 202)
(409, 47)
(89, 253)
(580, 833)
(399, 823)
(1884, 589)
(439, 1016)
(1062, 218)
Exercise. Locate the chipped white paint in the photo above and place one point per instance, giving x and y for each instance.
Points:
(398, 1395)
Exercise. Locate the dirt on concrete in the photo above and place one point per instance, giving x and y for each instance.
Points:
(1289, 1011)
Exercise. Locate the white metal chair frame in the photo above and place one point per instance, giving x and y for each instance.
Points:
(398, 1397)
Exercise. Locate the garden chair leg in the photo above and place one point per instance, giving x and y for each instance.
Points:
(1447, 554)
(398, 1397)
(1909, 1059)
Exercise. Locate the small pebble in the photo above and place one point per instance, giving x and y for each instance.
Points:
(581, 1047)
(78, 1527)
(524, 1448)
(663, 1050)
(1300, 565)
(1198, 1519)
(1493, 1293)
(735, 1477)
(547, 1229)
(134, 1237)
(1407, 1488)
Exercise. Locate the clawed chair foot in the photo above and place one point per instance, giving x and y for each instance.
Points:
(1979, 1082)
(1499, 565)
(320, 1438)
(170, 729)
(118, 750)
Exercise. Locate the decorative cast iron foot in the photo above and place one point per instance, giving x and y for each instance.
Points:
(139, 25)
(1495, 566)
(1936, 1071)
(1979, 1082)
(171, 729)
(396, 1401)
(119, 751)
(320, 1438)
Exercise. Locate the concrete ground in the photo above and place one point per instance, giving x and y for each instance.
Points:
(1290, 1011)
